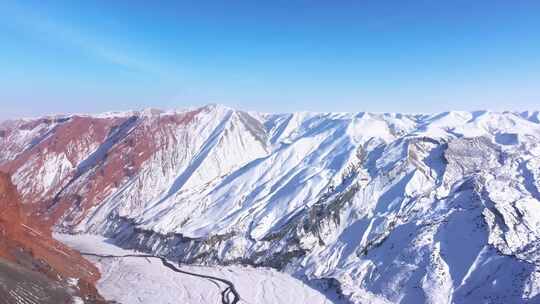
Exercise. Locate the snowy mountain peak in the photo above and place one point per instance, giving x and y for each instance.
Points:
(392, 208)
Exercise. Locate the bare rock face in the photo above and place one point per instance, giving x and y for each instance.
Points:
(20, 285)
(388, 208)
(36, 268)
(10, 211)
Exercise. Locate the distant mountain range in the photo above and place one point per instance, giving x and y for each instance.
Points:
(384, 208)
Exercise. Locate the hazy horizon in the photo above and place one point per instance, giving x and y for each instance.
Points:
(419, 57)
(187, 108)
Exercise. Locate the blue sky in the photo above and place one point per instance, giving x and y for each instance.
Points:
(277, 56)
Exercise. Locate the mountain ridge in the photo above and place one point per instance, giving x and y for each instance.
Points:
(368, 203)
(170, 111)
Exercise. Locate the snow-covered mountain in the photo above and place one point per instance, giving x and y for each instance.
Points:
(387, 208)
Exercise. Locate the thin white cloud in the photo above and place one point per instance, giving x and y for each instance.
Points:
(47, 28)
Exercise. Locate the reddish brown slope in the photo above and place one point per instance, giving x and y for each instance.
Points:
(99, 154)
(87, 158)
(36, 250)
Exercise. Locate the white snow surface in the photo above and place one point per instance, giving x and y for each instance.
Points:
(393, 208)
(133, 280)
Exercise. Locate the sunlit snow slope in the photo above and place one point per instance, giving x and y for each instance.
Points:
(385, 208)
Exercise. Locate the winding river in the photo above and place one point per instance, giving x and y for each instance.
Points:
(229, 295)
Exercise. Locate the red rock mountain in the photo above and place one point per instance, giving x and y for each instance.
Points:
(33, 247)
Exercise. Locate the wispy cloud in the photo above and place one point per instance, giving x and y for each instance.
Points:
(55, 31)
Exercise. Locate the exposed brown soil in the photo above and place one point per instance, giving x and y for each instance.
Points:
(34, 249)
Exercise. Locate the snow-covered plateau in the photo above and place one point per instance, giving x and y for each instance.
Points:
(380, 208)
